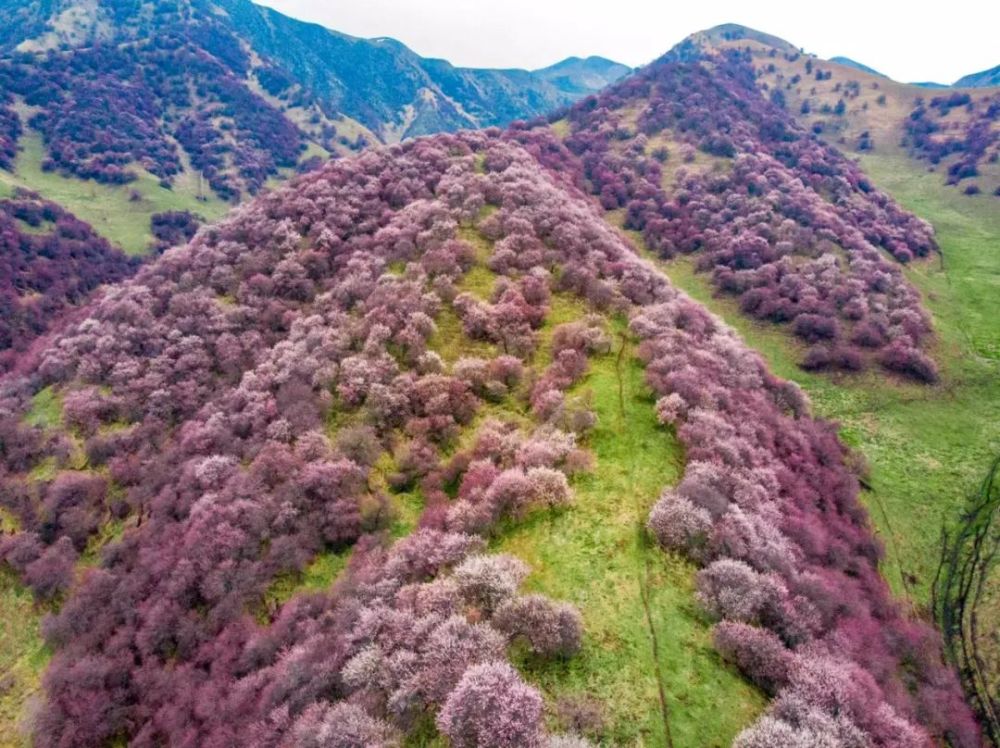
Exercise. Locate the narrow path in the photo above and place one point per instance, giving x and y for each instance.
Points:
(643, 572)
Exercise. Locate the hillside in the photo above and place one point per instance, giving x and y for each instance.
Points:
(427, 444)
(953, 132)
(119, 111)
(378, 83)
(50, 262)
(929, 453)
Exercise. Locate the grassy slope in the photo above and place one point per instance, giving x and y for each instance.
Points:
(597, 556)
(108, 208)
(23, 656)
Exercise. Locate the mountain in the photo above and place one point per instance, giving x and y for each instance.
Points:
(296, 469)
(953, 131)
(848, 62)
(192, 104)
(378, 82)
(583, 76)
(985, 78)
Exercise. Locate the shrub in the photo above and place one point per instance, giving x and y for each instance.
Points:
(492, 708)
(551, 629)
(902, 359)
(489, 581)
(340, 725)
(755, 651)
(730, 589)
(679, 525)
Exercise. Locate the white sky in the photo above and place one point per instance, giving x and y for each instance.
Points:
(897, 38)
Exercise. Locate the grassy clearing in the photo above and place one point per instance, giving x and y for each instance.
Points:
(318, 576)
(597, 556)
(110, 209)
(928, 447)
(23, 657)
(46, 409)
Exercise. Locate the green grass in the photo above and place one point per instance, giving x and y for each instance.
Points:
(23, 657)
(406, 505)
(928, 447)
(46, 409)
(449, 340)
(110, 532)
(596, 555)
(109, 208)
(44, 471)
(479, 280)
(318, 576)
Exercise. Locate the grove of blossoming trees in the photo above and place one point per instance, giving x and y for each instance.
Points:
(971, 134)
(238, 400)
(49, 262)
(788, 225)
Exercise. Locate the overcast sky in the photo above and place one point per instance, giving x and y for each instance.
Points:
(897, 38)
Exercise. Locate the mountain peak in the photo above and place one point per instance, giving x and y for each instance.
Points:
(730, 32)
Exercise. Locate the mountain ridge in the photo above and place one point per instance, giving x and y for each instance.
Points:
(375, 82)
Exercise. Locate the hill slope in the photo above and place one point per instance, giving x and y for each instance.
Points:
(857, 65)
(272, 472)
(379, 83)
(954, 132)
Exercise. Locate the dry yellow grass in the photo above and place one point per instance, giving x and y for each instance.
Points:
(873, 103)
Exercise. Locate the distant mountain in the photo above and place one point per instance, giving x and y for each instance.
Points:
(233, 91)
(857, 65)
(583, 76)
(981, 79)
(929, 84)
(386, 86)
